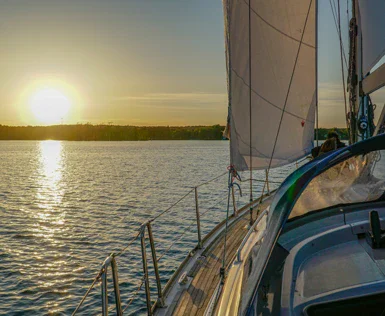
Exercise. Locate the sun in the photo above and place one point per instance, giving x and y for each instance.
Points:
(49, 106)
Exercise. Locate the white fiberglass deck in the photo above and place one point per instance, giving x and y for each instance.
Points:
(334, 263)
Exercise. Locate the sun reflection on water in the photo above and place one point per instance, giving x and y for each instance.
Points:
(50, 190)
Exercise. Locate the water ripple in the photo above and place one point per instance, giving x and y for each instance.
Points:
(64, 206)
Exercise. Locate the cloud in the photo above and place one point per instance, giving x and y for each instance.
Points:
(332, 107)
(330, 94)
(333, 92)
(199, 97)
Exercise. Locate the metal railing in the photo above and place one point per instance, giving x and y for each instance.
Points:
(146, 230)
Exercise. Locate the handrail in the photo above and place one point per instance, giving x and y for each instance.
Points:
(252, 228)
(110, 260)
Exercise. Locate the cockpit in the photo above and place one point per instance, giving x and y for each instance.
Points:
(323, 249)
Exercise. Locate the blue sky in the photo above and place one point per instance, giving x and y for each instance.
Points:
(139, 62)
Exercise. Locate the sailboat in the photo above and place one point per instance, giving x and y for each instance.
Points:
(316, 245)
(320, 247)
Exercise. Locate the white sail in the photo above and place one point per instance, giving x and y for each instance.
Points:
(371, 23)
(278, 123)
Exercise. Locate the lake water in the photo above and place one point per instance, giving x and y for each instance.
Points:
(65, 206)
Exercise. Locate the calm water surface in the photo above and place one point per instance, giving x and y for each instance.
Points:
(64, 206)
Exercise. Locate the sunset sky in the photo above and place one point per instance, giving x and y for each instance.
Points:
(138, 62)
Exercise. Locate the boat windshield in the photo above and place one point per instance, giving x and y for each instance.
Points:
(349, 175)
(358, 179)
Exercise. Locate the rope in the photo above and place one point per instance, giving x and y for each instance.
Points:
(88, 292)
(176, 203)
(129, 244)
(173, 244)
(134, 294)
(213, 179)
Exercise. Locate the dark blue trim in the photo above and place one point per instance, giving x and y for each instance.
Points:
(290, 190)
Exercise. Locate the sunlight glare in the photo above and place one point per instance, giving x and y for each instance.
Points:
(49, 106)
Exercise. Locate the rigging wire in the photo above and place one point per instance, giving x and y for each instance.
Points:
(250, 121)
(214, 205)
(169, 208)
(88, 292)
(187, 229)
(338, 28)
(342, 68)
(287, 97)
(176, 241)
(347, 13)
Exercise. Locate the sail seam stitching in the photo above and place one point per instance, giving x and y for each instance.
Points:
(269, 102)
(304, 151)
(278, 30)
(289, 88)
(247, 144)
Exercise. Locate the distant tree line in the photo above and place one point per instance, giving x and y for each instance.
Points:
(89, 132)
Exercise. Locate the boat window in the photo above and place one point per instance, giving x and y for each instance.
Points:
(358, 179)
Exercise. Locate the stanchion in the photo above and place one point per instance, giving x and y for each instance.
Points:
(160, 301)
(145, 270)
(104, 292)
(198, 219)
(118, 303)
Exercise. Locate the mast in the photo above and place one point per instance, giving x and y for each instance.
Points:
(362, 117)
(250, 122)
(362, 100)
(352, 76)
(316, 74)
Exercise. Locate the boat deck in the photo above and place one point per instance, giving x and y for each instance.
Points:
(205, 273)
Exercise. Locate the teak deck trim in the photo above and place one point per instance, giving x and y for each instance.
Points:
(203, 266)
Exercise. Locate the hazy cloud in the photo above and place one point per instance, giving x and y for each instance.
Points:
(332, 107)
(189, 97)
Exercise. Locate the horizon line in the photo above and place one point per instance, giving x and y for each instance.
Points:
(128, 125)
